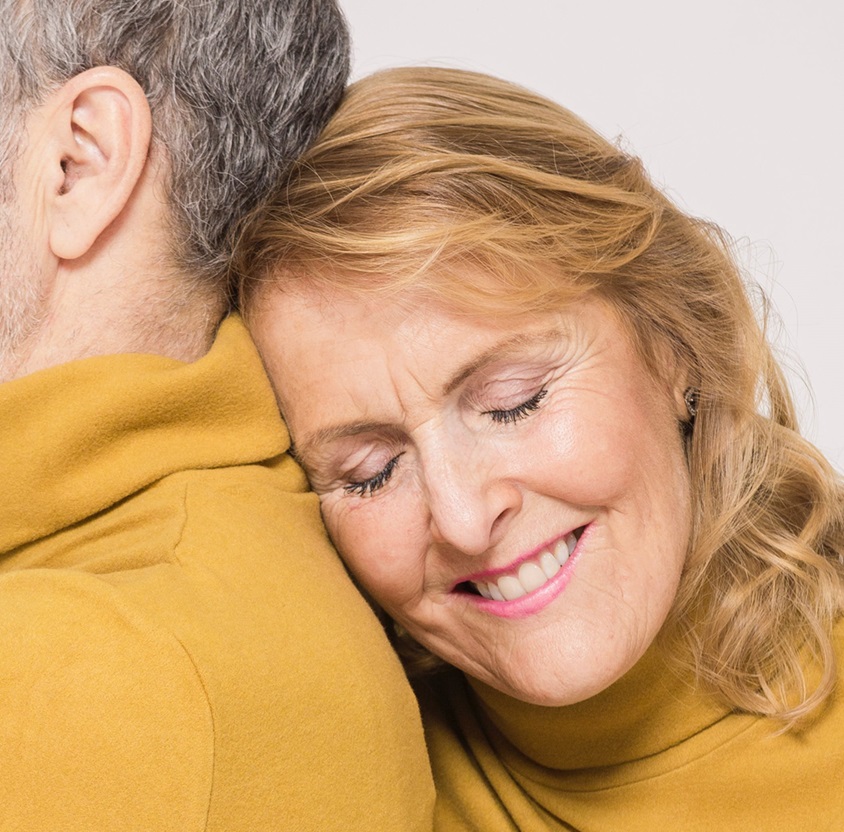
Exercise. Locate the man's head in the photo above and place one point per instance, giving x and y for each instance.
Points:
(235, 91)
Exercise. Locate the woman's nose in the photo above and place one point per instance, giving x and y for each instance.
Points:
(470, 503)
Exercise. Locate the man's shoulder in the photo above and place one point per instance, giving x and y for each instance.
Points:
(262, 505)
(215, 596)
(249, 526)
(92, 692)
(230, 560)
(71, 635)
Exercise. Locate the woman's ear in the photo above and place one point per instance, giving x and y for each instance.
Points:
(685, 394)
(101, 126)
(678, 378)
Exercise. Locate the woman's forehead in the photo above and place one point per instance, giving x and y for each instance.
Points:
(311, 341)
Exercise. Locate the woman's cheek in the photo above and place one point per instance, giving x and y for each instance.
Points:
(345, 526)
(382, 542)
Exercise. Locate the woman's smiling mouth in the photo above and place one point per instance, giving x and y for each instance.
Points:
(545, 568)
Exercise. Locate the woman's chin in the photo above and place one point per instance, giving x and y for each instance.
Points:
(548, 688)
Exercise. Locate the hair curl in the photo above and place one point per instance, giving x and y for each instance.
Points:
(238, 89)
(425, 170)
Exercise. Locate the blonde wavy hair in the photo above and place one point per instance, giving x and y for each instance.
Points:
(424, 171)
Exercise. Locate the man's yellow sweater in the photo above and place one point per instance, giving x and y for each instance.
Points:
(181, 649)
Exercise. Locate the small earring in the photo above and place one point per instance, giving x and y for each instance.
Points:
(690, 397)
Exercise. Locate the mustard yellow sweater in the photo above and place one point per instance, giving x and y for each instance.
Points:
(181, 649)
(650, 754)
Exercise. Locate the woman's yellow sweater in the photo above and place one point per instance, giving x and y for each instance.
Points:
(181, 648)
(649, 754)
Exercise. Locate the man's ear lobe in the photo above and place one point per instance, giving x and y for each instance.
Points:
(102, 126)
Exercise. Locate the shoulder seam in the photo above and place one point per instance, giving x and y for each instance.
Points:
(199, 678)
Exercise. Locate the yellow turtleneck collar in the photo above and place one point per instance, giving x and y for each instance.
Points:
(649, 710)
(650, 753)
(77, 438)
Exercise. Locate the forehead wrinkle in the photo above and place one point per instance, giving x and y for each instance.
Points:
(502, 349)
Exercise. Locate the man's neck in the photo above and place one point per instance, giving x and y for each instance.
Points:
(167, 318)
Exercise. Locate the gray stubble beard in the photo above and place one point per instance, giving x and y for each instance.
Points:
(20, 301)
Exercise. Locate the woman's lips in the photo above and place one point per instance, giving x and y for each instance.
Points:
(534, 570)
(530, 574)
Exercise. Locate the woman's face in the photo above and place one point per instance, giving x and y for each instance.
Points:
(513, 491)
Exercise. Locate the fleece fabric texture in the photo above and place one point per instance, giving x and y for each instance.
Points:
(649, 754)
(181, 649)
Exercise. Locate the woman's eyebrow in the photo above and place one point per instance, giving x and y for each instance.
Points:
(501, 350)
(309, 446)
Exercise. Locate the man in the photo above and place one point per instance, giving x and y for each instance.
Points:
(180, 648)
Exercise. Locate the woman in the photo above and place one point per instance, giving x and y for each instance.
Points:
(551, 442)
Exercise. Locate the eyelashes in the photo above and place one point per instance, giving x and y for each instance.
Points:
(367, 487)
(371, 485)
(504, 417)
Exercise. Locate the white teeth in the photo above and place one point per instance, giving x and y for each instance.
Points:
(549, 564)
(511, 588)
(561, 552)
(531, 577)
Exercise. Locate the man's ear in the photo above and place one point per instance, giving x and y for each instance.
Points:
(101, 125)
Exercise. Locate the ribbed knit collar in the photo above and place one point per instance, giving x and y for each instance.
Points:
(650, 709)
(68, 433)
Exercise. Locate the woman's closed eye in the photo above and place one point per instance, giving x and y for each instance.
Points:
(369, 486)
(522, 410)
(366, 487)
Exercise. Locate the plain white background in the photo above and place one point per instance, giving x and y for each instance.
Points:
(735, 107)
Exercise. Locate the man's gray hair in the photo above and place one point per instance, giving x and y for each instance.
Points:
(238, 89)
